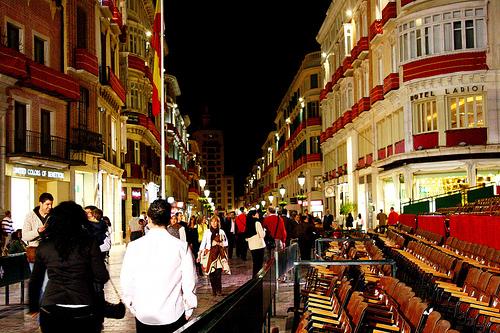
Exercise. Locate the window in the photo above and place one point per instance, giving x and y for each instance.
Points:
(424, 117)
(83, 106)
(466, 111)
(314, 145)
(137, 152)
(114, 138)
(13, 37)
(312, 109)
(449, 31)
(314, 81)
(39, 50)
(81, 28)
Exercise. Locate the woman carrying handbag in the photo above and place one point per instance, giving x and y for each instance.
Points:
(255, 234)
(212, 255)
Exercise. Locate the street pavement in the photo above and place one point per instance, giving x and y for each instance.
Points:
(13, 318)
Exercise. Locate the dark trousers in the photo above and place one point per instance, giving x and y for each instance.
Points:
(58, 319)
(143, 328)
(216, 281)
(305, 247)
(257, 260)
(231, 239)
(241, 246)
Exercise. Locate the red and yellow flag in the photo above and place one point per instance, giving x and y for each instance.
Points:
(156, 45)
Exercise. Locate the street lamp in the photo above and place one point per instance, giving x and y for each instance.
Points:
(282, 191)
(263, 203)
(206, 192)
(271, 198)
(209, 200)
(302, 180)
(170, 200)
(257, 206)
(202, 182)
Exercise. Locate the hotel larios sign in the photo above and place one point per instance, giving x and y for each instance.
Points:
(35, 172)
(448, 91)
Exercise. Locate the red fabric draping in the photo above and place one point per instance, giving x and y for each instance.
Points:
(432, 223)
(408, 220)
(476, 229)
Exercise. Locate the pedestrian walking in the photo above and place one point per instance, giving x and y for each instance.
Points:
(73, 261)
(158, 277)
(35, 224)
(275, 225)
(255, 237)
(7, 230)
(382, 221)
(175, 229)
(393, 217)
(213, 245)
(136, 229)
(241, 243)
(229, 227)
(306, 234)
(349, 222)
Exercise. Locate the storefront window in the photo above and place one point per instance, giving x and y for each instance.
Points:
(466, 111)
(434, 184)
(424, 117)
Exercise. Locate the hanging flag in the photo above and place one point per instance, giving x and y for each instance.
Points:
(157, 63)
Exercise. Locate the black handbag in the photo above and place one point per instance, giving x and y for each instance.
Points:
(112, 310)
(270, 243)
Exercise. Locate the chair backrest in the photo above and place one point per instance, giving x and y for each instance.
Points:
(442, 326)
(483, 281)
(431, 322)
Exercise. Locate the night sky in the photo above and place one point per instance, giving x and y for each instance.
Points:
(237, 59)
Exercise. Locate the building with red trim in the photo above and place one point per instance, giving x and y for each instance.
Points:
(409, 100)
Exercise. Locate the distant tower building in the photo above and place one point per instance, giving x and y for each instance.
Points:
(211, 142)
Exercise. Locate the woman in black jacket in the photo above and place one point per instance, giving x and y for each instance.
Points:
(74, 265)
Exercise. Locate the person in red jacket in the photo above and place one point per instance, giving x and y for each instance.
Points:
(393, 217)
(275, 227)
(241, 243)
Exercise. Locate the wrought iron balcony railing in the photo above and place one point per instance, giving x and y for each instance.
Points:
(31, 143)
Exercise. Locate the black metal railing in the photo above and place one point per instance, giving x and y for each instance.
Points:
(248, 309)
(31, 143)
(83, 139)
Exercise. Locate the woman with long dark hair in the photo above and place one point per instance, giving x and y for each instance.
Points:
(74, 265)
(254, 234)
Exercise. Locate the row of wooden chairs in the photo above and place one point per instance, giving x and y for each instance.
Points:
(481, 253)
(393, 239)
(429, 236)
(475, 304)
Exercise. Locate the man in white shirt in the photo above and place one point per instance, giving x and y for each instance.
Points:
(158, 276)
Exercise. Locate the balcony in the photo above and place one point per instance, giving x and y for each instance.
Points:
(86, 61)
(390, 150)
(389, 12)
(466, 137)
(360, 51)
(425, 141)
(445, 64)
(375, 29)
(110, 79)
(363, 105)
(134, 62)
(391, 82)
(399, 147)
(347, 66)
(85, 140)
(369, 159)
(36, 76)
(354, 111)
(376, 94)
(381, 154)
(13, 63)
(34, 144)
(316, 121)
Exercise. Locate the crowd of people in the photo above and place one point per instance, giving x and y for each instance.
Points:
(67, 247)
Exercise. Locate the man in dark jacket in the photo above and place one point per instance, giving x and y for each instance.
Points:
(229, 227)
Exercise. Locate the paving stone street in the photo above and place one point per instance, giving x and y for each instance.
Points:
(13, 318)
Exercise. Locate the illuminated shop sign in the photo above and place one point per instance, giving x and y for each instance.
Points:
(448, 91)
(136, 194)
(33, 172)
